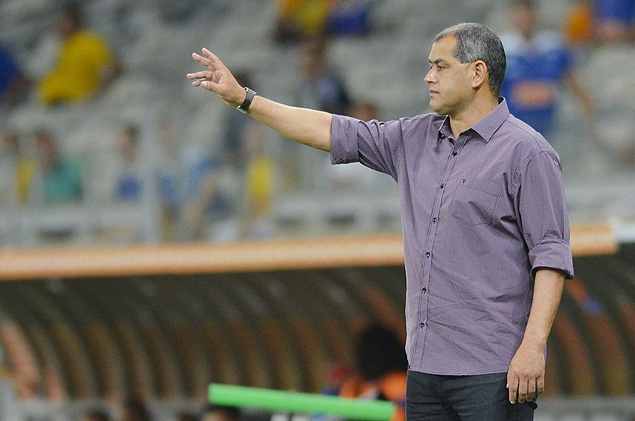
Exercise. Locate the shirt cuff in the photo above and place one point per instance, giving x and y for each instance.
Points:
(552, 254)
(344, 147)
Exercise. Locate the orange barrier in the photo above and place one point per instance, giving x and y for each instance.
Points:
(169, 259)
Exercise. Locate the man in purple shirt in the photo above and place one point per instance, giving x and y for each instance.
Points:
(485, 227)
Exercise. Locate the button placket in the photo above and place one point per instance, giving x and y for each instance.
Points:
(433, 226)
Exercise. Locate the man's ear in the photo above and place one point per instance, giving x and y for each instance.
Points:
(480, 74)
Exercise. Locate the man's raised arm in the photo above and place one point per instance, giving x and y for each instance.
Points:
(309, 127)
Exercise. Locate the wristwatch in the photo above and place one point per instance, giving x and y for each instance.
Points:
(244, 107)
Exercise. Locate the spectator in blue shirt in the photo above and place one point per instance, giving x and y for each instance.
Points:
(615, 20)
(538, 63)
(129, 179)
(12, 81)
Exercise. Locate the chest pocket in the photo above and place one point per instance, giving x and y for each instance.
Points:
(474, 201)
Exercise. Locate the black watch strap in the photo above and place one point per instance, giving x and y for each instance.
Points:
(247, 102)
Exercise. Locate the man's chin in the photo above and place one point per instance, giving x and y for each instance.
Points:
(438, 109)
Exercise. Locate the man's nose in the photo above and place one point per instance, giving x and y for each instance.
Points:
(429, 78)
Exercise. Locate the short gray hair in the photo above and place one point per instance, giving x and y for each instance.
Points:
(477, 42)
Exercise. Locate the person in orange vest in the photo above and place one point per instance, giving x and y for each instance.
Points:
(381, 368)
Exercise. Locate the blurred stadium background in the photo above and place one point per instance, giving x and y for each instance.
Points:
(103, 299)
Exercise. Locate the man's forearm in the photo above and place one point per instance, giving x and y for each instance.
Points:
(547, 293)
(526, 375)
(302, 125)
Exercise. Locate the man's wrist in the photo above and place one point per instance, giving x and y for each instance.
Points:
(535, 340)
(249, 97)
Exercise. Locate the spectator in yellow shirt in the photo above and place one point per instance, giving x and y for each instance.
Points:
(299, 19)
(16, 171)
(84, 63)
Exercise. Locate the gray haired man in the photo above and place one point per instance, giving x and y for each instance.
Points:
(485, 227)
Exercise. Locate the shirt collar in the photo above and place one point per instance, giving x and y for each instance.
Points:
(444, 131)
(485, 127)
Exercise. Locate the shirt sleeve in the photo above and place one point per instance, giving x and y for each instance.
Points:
(543, 214)
(373, 144)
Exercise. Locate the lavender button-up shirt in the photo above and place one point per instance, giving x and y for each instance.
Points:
(480, 215)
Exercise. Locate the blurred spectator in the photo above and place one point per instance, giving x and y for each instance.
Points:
(221, 413)
(97, 416)
(301, 19)
(207, 200)
(13, 83)
(319, 87)
(336, 376)
(578, 26)
(84, 62)
(60, 179)
(237, 129)
(537, 64)
(218, 179)
(614, 20)
(135, 410)
(16, 171)
(129, 177)
(259, 185)
(168, 164)
(364, 111)
(243, 157)
(348, 17)
(382, 369)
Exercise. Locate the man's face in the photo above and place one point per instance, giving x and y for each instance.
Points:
(448, 79)
(523, 17)
(66, 25)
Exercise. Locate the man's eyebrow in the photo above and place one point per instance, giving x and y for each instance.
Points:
(437, 61)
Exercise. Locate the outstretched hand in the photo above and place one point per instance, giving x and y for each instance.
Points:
(217, 78)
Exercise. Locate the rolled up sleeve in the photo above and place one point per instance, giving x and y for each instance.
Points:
(372, 143)
(543, 214)
(344, 140)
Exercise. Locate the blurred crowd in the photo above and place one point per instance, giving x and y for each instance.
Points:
(226, 193)
(378, 373)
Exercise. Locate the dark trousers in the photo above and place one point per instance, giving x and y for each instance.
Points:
(463, 398)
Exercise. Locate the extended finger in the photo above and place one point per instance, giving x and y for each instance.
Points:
(200, 75)
(540, 385)
(531, 390)
(210, 86)
(212, 58)
(205, 62)
(512, 385)
(522, 391)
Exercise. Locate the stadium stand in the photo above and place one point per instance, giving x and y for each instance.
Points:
(598, 174)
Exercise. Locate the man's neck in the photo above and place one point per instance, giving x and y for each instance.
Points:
(464, 120)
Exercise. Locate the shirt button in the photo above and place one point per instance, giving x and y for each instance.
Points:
(427, 255)
(424, 290)
(443, 185)
(454, 153)
(434, 220)
(422, 325)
